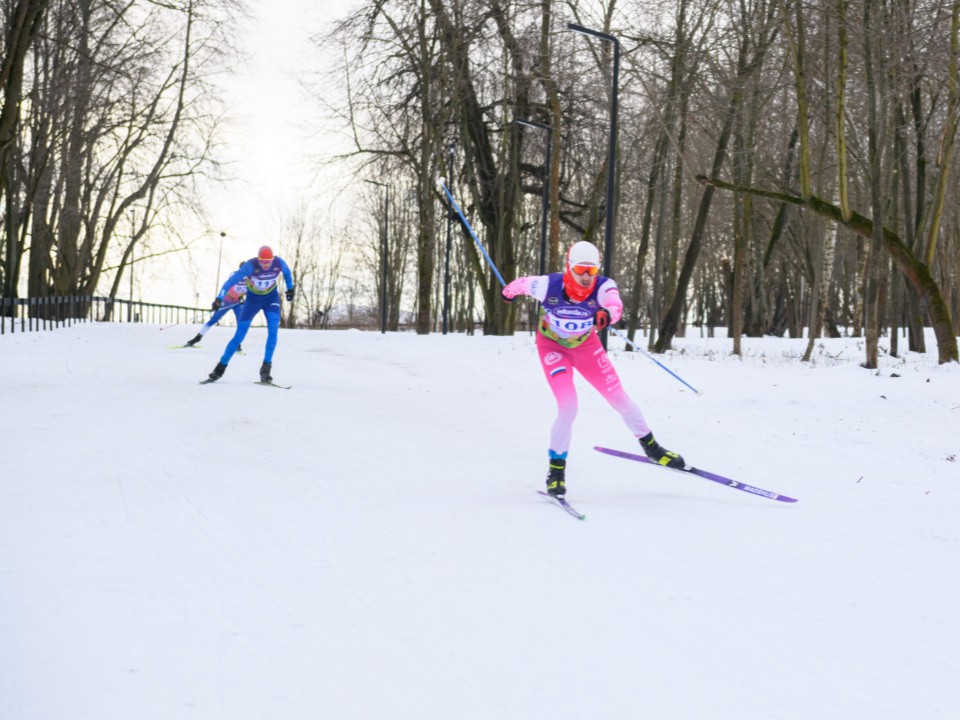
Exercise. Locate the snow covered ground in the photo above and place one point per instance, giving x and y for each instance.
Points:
(370, 545)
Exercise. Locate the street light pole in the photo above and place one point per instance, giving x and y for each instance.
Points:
(130, 309)
(383, 254)
(383, 260)
(545, 201)
(612, 152)
(219, 259)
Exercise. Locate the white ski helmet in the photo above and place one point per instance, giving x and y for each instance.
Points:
(583, 253)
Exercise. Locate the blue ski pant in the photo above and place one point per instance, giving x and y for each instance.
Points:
(270, 305)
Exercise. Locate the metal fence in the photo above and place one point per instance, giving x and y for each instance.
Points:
(49, 313)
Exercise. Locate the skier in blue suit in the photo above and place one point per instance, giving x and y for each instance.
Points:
(262, 275)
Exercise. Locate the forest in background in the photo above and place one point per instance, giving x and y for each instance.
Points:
(782, 167)
(757, 144)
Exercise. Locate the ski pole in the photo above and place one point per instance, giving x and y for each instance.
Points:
(650, 357)
(183, 322)
(441, 183)
(198, 318)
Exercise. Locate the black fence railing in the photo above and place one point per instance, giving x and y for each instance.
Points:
(48, 313)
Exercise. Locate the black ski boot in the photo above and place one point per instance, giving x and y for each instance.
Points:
(556, 484)
(191, 343)
(217, 372)
(265, 372)
(239, 348)
(656, 453)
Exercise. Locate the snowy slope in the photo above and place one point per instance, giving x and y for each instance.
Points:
(369, 544)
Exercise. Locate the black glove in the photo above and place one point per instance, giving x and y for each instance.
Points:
(217, 304)
(289, 294)
(601, 319)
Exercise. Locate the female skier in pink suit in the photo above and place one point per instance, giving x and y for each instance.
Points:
(574, 305)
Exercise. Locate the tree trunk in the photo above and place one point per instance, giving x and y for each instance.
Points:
(26, 18)
(872, 55)
(550, 89)
(426, 223)
(818, 314)
(945, 155)
(637, 296)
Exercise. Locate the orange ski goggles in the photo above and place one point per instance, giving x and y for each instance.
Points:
(585, 269)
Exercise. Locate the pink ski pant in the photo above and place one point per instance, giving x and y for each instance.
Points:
(591, 360)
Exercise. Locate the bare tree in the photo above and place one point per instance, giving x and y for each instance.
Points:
(22, 23)
(751, 46)
(391, 101)
(118, 128)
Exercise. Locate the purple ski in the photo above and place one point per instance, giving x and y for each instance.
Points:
(702, 473)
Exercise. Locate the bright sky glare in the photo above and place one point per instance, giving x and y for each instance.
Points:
(270, 142)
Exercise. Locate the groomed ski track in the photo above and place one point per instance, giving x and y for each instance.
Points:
(369, 545)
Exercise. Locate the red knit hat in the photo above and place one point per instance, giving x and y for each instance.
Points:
(266, 253)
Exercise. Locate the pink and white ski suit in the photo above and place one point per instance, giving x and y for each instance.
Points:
(566, 340)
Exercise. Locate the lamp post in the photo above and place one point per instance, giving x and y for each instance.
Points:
(612, 153)
(446, 258)
(545, 202)
(383, 253)
(130, 309)
(219, 258)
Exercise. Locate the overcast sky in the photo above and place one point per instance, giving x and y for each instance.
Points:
(270, 118)
(268, 134)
